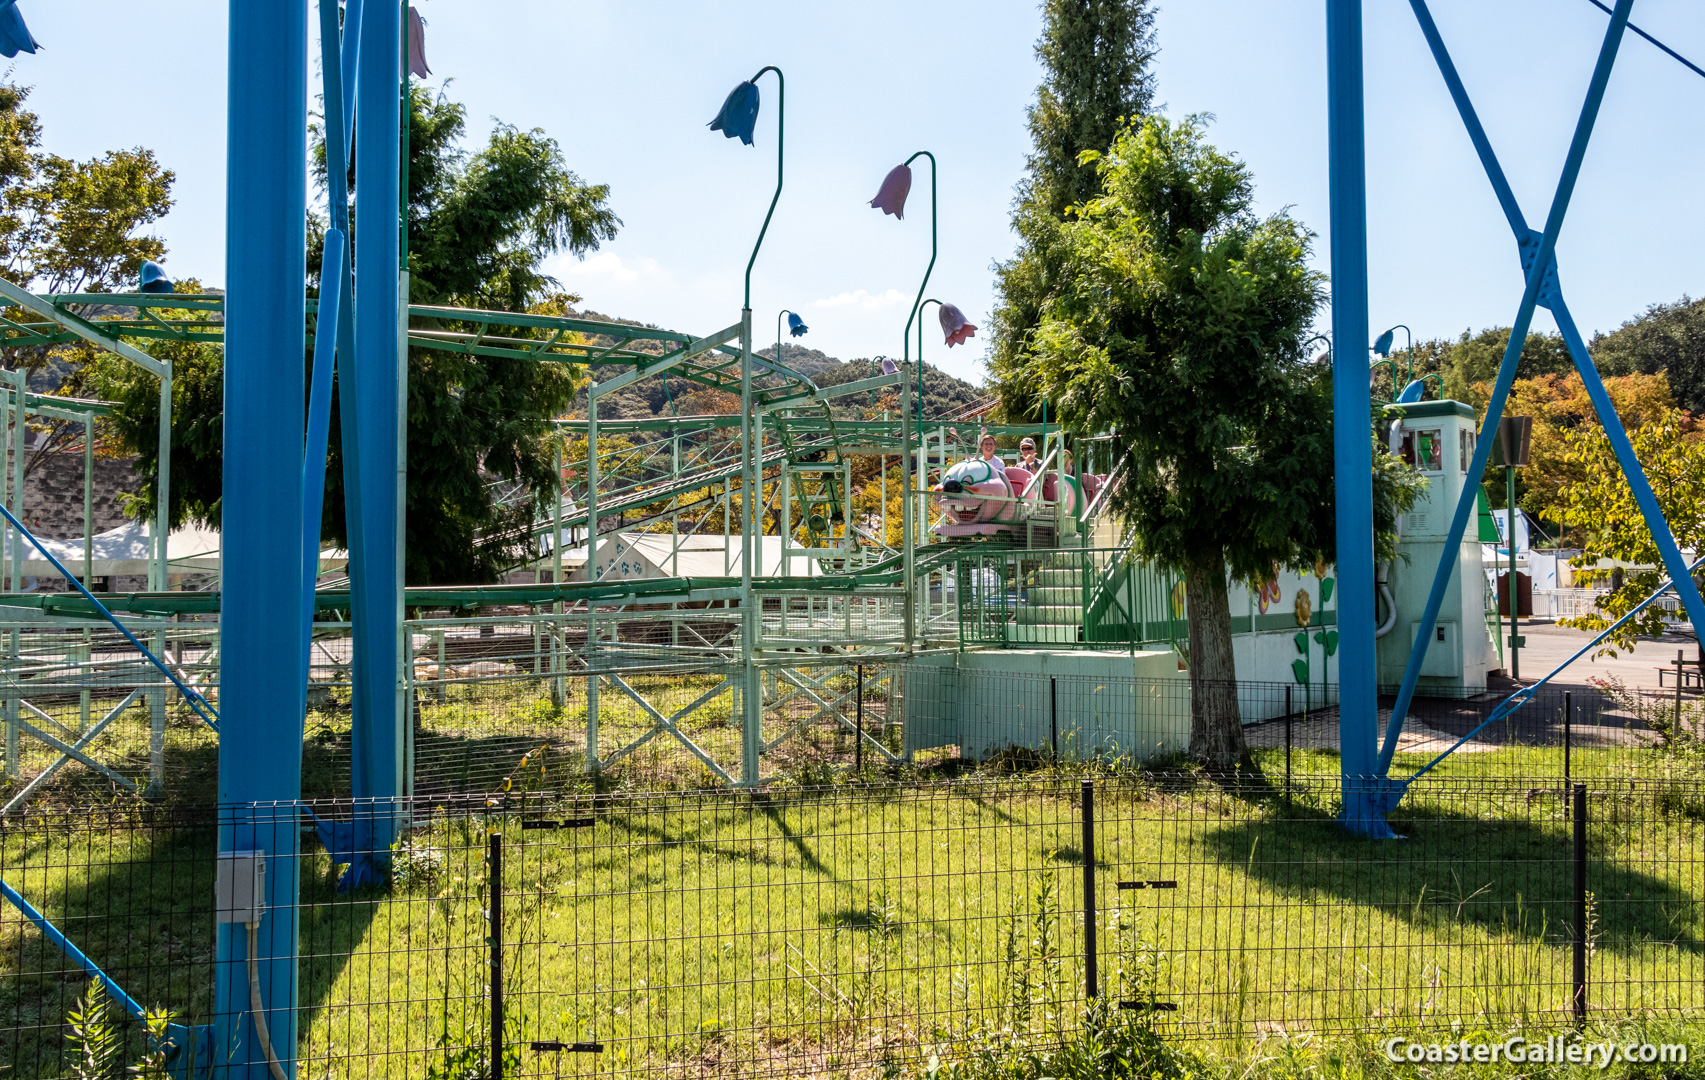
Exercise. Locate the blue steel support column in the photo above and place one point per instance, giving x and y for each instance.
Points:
(260, 751)
(1352, 446)
(378, 737)
(1537, 250)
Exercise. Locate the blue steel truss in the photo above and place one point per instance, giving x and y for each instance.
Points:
(1369, 791)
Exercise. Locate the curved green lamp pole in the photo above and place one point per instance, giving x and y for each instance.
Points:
(1320, 337)
(1393, 365)
(779, 315)
(781, 136)
(917, 305)
(1382, 346)
(1409, 349)
(750, 435)
(918, 315)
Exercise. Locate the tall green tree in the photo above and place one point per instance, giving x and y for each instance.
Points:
(1606, 521)
(198, 418)
(1666, 338)
(1470, 364)
(69, 227)
(480, 226)
(1180, 324)
(1095, 58)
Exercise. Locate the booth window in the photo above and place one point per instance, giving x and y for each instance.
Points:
(1423, 449)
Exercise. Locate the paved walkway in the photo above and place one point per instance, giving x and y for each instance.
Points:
(1549, 645)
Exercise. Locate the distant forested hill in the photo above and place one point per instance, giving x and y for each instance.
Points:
(944, 395)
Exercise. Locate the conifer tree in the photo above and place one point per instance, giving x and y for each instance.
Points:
(1095, 56)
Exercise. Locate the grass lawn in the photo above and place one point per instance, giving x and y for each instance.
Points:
(847, 930)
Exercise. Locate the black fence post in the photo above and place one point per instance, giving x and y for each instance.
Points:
(1568, 732)
(494, 870)
(1287, 746)
(1054, 715)
(858, 742)
(1680, 673)
(1090, 978)
(1580, 981)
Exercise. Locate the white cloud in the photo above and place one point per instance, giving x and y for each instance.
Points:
(863, 299)
(609, 268)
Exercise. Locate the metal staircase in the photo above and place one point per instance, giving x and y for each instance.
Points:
(1051, 608)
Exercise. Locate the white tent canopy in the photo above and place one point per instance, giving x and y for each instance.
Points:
(126, 551)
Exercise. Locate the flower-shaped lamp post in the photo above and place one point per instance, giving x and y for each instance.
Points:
(15, 37)
(891, 199)
(796, 326)
(955, 330)
(738, 118)
(1327, 355)
(1382, 347)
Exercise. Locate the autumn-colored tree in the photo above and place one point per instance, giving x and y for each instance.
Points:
(1666, 339)
(1607, 524)
(1559, 407)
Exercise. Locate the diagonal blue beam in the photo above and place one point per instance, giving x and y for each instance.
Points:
(350, 54)
(331, 304)
(1680, 573)
(1538, 257)
(1552, 298)
(1470, 119)
(1521, 697)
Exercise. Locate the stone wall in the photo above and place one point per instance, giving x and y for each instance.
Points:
(53, 506)
(53, 495)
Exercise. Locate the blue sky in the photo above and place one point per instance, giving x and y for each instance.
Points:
(627, 87)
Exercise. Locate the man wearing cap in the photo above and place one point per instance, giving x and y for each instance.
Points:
(1027, 454)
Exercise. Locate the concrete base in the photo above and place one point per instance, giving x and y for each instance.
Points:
(1074, 703)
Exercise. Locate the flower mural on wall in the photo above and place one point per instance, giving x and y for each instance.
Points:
(1267, 592)
(1308, 615)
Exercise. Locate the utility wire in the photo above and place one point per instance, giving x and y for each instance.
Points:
(1690, 65)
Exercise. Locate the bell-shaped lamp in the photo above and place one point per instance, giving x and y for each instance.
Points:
(891, 196)
(796, 326)
(15, 37)
(417, 44)
(739, 115)
(955, 326)
(1412, 393)
(889, 367)
(154, 279)
(1382, 344)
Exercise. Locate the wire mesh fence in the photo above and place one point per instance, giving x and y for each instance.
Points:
(863, 930)
(659, 698)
